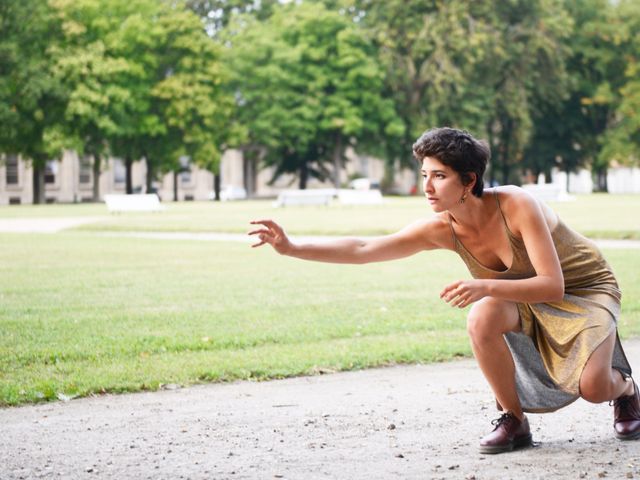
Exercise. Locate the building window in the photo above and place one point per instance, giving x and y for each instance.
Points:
(119, 171)
(185, 170)
(12, 170)
(50, 171)
(85, 170)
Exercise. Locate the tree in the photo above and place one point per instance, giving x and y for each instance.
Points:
(191, 97)
(307, 85)
(621, 141)
(31, 97)
(430, 52)
(476, 65)
(93, 75)
(216, 14)
(145, 82)
(570, 133)
(525, 73)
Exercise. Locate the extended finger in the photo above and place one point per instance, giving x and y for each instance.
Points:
(256, 232)
(260, 243)
(274, 226)
(267, 223)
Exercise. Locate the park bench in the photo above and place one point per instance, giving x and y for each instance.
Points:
(137, 202)
(324, 196)
(359, 197)
(318, 196)
(547, 192)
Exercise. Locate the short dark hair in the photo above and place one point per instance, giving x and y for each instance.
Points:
(457, 149)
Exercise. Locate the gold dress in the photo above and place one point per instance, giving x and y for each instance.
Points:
(558, 338)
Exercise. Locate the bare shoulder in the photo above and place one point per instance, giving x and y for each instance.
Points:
(433, 232)
(520, 207)
(512, 197)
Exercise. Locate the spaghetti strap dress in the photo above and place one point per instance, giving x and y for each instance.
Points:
(557, 338)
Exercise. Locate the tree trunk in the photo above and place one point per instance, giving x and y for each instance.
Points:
(601, 180)
(337, 160)
(96, 177)
(504, 152)
(175, 185)
(150, 176)
(128, 163)
(216, 187)
(505, 173)
(304, 175)
(38, 184)
(492, 161)
(389, 175)
(249, 172)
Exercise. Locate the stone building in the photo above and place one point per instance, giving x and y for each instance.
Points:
(70, 179)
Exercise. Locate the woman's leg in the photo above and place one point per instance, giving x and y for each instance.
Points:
(487, 322)
(599, 382)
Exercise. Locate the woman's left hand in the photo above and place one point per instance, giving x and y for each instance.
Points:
(464, 292)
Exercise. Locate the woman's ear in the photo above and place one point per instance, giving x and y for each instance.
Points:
(471, 178)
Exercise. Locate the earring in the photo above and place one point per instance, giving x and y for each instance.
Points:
(464, 197)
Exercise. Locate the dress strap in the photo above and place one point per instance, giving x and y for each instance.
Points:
(504, 219)
(495, 195)
(453, 233)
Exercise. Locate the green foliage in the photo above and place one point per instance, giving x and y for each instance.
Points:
(31, 97)
(145, 81)
(216, 14)
(308, 84)
(621, 142)
(548, 82)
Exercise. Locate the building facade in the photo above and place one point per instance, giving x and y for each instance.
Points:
(71, 179)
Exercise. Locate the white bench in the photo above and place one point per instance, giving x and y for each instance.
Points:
(318, 196)
(359, 197)
(137, 202)
(547, 192)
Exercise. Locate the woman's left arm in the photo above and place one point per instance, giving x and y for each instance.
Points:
(527, 219)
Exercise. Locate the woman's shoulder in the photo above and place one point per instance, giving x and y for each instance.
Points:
(512, 196)
(518, 205)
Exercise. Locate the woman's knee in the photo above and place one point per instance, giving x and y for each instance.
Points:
(597, 381)
(594, 390)
(490, 318)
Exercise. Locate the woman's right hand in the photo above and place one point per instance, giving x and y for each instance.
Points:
(273, 234)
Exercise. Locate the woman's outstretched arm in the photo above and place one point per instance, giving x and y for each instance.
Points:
(421, 235)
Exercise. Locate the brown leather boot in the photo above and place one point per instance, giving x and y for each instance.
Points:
(626, 415)
(510, 433)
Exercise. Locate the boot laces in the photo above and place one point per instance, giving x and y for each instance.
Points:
(626, 405)
(504, 418)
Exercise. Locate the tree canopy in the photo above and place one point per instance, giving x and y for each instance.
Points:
(550, 83)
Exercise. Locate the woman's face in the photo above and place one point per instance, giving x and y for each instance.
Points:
(441, 185)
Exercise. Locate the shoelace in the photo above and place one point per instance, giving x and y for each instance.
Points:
(505, 417)
(626, 403)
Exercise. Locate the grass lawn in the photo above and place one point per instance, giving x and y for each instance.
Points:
(82, 313)
(597, 216)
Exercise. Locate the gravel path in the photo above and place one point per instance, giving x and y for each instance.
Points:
(406, 422)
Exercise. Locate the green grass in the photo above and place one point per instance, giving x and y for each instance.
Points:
(82, 313)
(597, 216)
